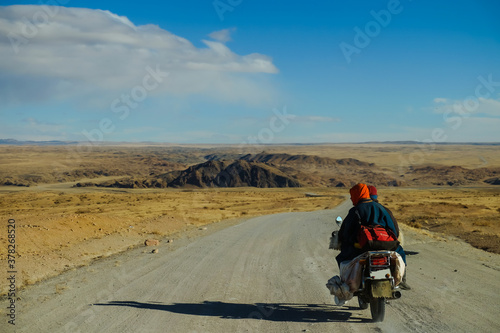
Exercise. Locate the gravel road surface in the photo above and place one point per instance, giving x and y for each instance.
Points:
(266, 274)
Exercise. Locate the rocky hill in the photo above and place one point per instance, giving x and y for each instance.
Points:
(451, 175)
(233, 174)
(317, 161)
(210, 174)
(313, 170)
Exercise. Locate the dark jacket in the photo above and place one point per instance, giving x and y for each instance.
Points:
(366, 212)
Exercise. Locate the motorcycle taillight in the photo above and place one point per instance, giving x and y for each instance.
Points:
(379, 261)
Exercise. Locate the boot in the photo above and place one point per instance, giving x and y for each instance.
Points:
(403, 284)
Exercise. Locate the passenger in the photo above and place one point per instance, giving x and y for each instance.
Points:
(374, 196)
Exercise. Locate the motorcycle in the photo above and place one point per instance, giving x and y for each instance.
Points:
(377, 283)
(374, 275)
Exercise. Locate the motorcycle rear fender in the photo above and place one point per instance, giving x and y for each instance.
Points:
(381, 274)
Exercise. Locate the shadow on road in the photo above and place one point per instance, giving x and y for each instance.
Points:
(264, 311)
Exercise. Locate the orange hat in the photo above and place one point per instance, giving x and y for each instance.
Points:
(358, 192)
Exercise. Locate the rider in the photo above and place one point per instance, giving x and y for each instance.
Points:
(365, 209)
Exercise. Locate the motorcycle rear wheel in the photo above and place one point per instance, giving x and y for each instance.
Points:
(377, 309)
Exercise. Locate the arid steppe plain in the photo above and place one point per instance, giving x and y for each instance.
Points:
(73, 206)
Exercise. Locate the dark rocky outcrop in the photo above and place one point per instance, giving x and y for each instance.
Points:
(493, 181)
(318, 161)
(233, 174)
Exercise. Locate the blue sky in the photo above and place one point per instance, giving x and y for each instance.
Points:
(241, 71)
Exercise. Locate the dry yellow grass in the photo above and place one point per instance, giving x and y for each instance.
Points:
(472, 214)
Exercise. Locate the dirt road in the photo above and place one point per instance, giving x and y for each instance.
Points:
(266, 274)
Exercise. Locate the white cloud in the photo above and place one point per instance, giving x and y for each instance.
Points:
(468, 107)
(489, 106)
(222, 36)
(42, 126)
(95, 54)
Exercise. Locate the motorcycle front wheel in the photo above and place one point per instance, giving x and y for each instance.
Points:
(377, 308)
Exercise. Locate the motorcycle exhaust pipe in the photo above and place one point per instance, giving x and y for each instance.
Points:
(396, 294)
